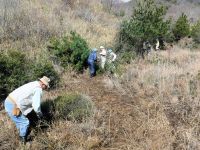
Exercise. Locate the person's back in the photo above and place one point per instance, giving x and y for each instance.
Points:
(24, 91)
(111, 56)
(91, 62)
(92, 57)
(23, 95)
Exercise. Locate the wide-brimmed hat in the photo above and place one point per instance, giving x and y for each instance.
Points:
(45, 80)
(101, 47)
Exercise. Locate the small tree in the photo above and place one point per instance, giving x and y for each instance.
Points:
(195, 32)
(70, 50)
(182, 27)
(16, 69)
(146, 24)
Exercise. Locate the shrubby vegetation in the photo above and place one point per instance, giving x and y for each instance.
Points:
(16, 70)
(73, 106)
(195, 32)
(157, 96)
(146, 24)
(181, 28)
(70, 50)
(13, 68)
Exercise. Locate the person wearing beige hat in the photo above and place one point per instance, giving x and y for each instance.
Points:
(24, 100)
(103, 54)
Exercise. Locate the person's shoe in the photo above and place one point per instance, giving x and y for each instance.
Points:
(92, 75)
(22, 140)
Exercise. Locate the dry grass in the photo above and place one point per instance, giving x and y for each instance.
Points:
(167, 90)
(31, 25)
(153, 105)
(8, 140)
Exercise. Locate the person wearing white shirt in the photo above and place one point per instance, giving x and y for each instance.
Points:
(111, 56)
(22, 101)
(103, 54)
(157, 44)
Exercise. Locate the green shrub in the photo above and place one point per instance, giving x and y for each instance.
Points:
(195, 32)
(74, 107)
(99, 70)
(44, 68)
(70, 50)
(126, 57)
(12, 71)
(181, 28)
(146, 24)
(16, 70)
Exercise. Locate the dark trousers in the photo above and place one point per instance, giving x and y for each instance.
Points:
(92, 68)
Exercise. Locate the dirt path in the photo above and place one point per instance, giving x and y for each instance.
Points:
(103, 96)
(116, 109)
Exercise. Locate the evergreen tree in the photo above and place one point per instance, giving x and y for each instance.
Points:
(195, 32)
(146, 24)
(182, 27)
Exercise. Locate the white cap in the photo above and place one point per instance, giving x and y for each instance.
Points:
(101, 47)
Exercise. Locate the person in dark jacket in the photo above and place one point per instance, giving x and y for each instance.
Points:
(91, 62)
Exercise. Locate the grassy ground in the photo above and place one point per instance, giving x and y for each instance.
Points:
(153, 105)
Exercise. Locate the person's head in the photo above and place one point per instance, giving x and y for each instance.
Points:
(94, 49)
(101, 47)
(109, 50)
(44, 82)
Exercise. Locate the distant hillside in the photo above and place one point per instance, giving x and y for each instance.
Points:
(190, 8)
(175, 8)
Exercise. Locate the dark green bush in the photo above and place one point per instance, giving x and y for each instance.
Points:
(13, 69)
(146, 24)
(73, 106)
(195, 32)
(70, 50)
(126, 57)
(44, 68)
(16, 70)
(181, 28)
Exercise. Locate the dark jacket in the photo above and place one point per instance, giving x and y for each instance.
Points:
(92, 57)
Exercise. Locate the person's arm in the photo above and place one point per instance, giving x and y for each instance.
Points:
(37, 101)
(95, 56)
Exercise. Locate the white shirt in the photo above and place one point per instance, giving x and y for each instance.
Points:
(28, 97)
(103, 52)
(157, 45)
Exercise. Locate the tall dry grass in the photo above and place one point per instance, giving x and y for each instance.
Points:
(164, 90)
(154, 105)
(28, 25)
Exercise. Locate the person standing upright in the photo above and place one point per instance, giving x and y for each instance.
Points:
(91, 62)
(111, 56)
(103, 54)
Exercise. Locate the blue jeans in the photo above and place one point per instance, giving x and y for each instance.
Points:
(22, 123)
(92, 68)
